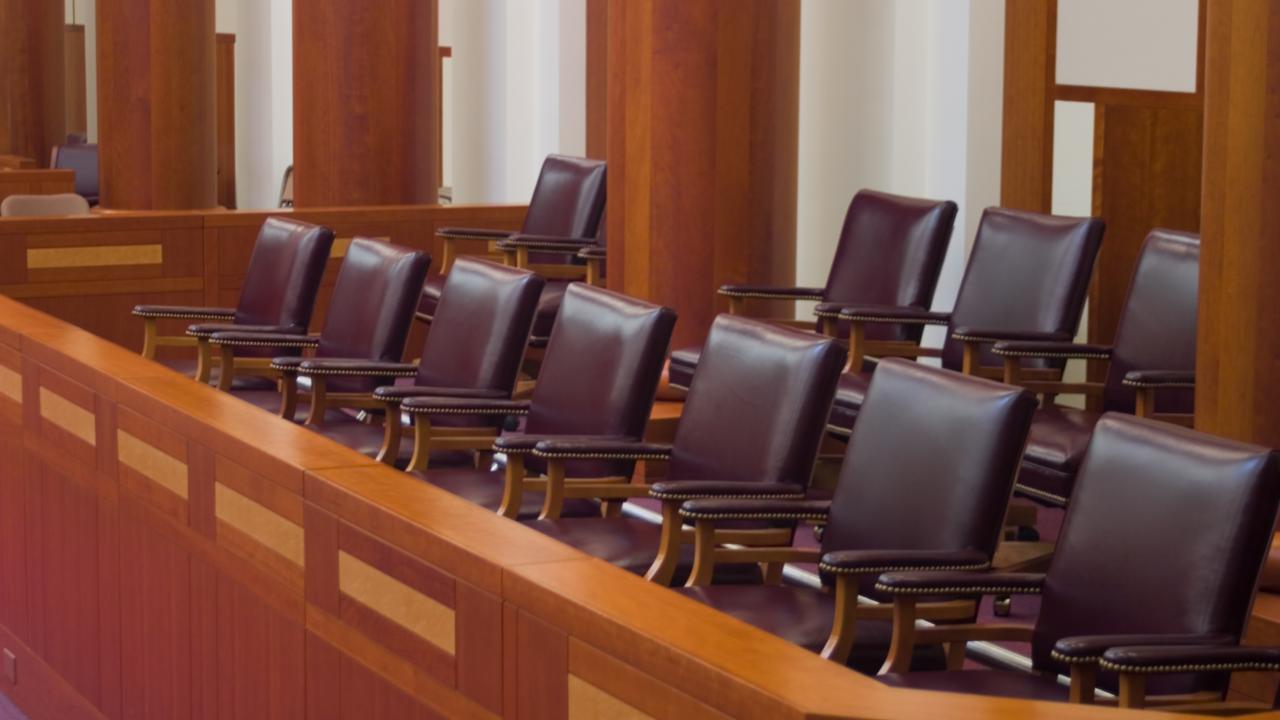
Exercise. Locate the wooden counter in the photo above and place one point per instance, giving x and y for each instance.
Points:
(29, 181)
(171, 552)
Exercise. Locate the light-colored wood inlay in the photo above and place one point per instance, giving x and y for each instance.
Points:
(588, 702)
(68, 416)
(94, 256)
(11, 384)
(421, 615)
(153, 463)
(342, 244)
(258, 522)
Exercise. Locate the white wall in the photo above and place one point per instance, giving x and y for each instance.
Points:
(1115, 44)
(901, 96)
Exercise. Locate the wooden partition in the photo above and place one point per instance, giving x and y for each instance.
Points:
(36, 182)
(171, 552)
(91, 271)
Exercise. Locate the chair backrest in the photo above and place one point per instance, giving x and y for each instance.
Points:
(890, 253)
(373, 301)
(601, 369)
(44, 205)
(1165, 534)
(757, 404)
(1027, 272)
(1157, 328)
(481, 326)
(930, 464)
(286, 188)
(83, 159)
(284, 274)
(568, 199)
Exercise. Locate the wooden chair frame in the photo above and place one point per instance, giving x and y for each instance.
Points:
(1015, 374)
(612, 491)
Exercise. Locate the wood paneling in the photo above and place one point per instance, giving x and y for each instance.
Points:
(76, 88)
(365, 117)
(225, 84)
(156, 104)
(1030, 35)
(1238, 351)
(36, 182)
(597, 79)
(703, 119)
(32, 80)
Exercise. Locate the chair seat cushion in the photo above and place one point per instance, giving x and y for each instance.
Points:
(548, 308)
(851, 391)
(484, 488)
(683, 364)
(1059, 437)
(998, 683)
(430, 297)
(803, 616)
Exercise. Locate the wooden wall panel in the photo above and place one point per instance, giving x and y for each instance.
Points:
(36, 182)
(32, 98)
(597, 79)
(225, 107)
(1026, 170)
(76, 87)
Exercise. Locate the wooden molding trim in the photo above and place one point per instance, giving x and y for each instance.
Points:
(68, 416)
(421, 615)
(260, 523)
(94, 256)
(11, 384)
(153, 463)
(588, 702)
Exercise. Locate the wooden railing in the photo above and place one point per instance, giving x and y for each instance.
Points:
(169, 551)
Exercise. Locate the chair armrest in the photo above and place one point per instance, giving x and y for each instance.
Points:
(205, 330)
(456, 233)
(593, 253)
(781, 509)
(1051, 350)
(767, 292)
(437, 405)
(552, 243)
(239, 338)
(681, 490)
(989, 335)
(895, 314)
(1151, 659)
(865, 562)
(400, 393)
(960, 583)
(599, 448)
(1089, 649)
(184, 312)
(352, 367)
(1160, 379)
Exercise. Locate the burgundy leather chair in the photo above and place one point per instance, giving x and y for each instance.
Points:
(473, 351)
(924, 485)
(1027, 278)
(890, 253)
(83, 159)
(368, 320)
(564, 216)
(278, 294)
(599, 375)
(1155, 570)
(1154, 351)
(751, 427)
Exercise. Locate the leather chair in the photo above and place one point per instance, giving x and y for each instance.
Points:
(1154, 351)
(1027, 278)
(890, 253)
(751, 427)
(598, 377)
(473, 351)
(83, 159)
(563, 217)
(924, 485)
(1154, 574)
(278, 294)
(61, 204)
(368, 321)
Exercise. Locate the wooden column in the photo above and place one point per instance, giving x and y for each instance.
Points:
(597, 78)
(703, 121)
(1031, 28)
(32, 101)
(1238, 356)
(364, 102)
(156, 109)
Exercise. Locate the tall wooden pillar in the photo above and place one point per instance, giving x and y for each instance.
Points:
(156, 104)
(364, 102)
(703, 120)
(1238, 355)
(597, 78)
(32, 98)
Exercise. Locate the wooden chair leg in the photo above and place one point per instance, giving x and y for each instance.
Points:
(421, 444)
(149, 335)
(843, 630)
(319, 401)
(1084, 680)
(553, 501)
(204, 360)
(955, 654)
(226, 367)
(1133, 691)
(737, 306)
(704, 555)
(972, 359)
(903, 644)
(1146, 403)
(288, 395)
(663, 569)
(392, 432)
(513, 491)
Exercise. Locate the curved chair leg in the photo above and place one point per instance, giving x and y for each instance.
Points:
(288, 395)
(227, 367)
(319, 401)
(421, 444)
(204, 360)
(663, 569)
(513, 491)
(149, 334)
(392, 432)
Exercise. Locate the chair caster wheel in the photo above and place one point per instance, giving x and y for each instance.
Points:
(1028, 534)
(1002, 605)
